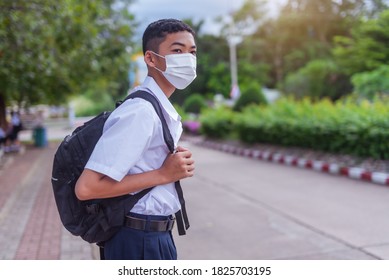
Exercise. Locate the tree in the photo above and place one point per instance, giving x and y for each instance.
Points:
(367, 47)
(49, 50)
(303, 31)
(373, 83)
(317, 79)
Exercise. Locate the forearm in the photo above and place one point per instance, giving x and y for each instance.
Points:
(93, 185)
(177, 166)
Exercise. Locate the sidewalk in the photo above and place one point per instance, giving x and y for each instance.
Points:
(30, 227)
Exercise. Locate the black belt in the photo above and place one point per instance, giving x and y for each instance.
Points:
(149, 225)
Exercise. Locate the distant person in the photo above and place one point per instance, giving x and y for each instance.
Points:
(12, 139)
(132, 155)
(3, 137)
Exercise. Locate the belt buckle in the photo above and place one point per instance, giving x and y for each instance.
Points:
(170, 223)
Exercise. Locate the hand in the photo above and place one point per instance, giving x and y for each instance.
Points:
(179, 165)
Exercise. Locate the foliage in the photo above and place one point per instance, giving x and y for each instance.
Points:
(249, 72)
(49, 50)
(303, 31)
(318, 79)
(194, 103)
(220, 80)
(297, 50)
(251, 12)
(52, 50)
(367, 47)
(217, 123)
(93, 101)
(369, 84)
(275, 48)
(251, 95)
(344, 127)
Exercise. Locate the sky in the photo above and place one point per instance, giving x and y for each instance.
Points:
(147, 11)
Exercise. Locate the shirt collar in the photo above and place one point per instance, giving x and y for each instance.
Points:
(151, 86)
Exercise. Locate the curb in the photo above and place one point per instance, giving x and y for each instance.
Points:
(321, 166)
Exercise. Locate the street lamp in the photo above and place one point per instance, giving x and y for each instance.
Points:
(234, 39)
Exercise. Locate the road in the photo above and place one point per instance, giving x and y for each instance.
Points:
(246, 209)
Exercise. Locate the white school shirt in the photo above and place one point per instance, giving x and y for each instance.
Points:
(132, 143)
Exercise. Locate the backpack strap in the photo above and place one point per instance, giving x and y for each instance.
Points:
(157, 107)
(181, 216)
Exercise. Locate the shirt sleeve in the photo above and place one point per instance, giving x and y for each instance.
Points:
(127, 134)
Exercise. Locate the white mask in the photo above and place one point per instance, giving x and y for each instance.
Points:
(180, 69)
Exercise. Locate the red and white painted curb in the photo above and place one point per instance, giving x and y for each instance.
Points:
(332, 168)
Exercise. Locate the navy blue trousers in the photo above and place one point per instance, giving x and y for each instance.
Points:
(133, 244)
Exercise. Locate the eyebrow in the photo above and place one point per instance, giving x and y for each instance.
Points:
(182, 45)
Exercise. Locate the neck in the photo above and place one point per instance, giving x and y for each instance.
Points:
(161, 81)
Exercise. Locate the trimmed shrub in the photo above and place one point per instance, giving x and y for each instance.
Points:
(252, 95)
(217, 123)
(194, 103)
(345, 127)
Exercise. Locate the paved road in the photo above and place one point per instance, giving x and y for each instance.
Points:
(239, 209)
(246, 209)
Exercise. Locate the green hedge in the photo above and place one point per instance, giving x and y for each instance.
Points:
(217, 123)
(344, 127)
(252, 95)
(194, 103)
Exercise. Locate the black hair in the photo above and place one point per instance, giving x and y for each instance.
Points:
(156, 32)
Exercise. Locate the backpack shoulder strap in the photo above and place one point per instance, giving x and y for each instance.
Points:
(157, 107)
(181, 216)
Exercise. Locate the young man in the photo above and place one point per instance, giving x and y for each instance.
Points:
(132, 155)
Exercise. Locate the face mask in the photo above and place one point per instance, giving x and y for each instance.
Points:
(180, 69)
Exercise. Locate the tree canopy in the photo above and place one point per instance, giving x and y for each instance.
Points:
(50, 49)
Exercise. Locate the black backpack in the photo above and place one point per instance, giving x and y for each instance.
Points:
(94, 220)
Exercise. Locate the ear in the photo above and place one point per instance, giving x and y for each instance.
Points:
(149, 59)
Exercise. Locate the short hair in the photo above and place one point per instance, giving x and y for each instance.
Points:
(156, 32)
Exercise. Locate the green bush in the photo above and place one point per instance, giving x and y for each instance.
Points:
(217, 123)
(252, 95)
(345, 127)
(194, 103)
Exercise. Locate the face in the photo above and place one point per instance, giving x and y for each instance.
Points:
(174, 43)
